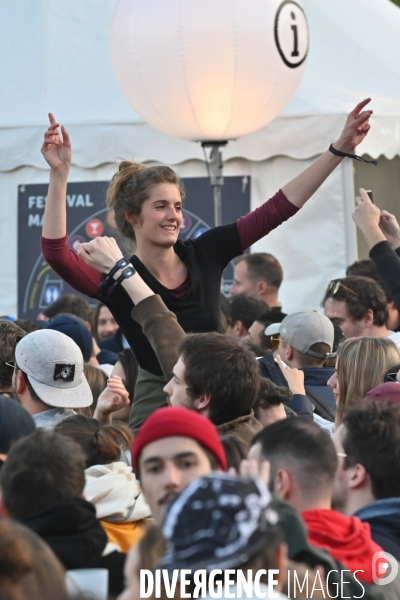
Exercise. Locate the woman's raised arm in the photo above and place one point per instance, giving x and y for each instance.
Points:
(302, 187)
(56, 150)
(258, 223)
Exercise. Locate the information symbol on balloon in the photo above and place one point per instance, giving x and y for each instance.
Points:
(94, 228)
(291, 33)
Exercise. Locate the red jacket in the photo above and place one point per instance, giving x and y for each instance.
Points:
(347, 539)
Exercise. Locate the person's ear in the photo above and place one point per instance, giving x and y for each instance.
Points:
(369, 318)
(282, 485)
(289, 352)
(134, 220)
(357, 476)
(236, 329)
(241, 329)
(21, 382)
(262, 288)
(203, 403)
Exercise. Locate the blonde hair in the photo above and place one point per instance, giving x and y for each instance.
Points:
(361, 365)
(130, 187)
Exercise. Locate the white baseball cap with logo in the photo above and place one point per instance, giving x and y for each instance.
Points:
(304, 328)
(53, 363)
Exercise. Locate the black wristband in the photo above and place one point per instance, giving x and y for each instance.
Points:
(339, 153)
(107, 282)
(126, 273)
(120, 264)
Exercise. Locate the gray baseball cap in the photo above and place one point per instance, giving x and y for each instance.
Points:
(53, 363)
(304, 328)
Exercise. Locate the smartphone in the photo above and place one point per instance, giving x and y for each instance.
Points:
(371, 195)
(284, 364)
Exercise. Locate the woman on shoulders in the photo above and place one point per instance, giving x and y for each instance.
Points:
(147, 203)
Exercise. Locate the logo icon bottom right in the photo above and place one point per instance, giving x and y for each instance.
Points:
(384, 568)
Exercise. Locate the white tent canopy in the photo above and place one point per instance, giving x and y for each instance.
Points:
(55, 56)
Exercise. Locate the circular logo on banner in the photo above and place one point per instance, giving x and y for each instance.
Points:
(291, 33)
(94, 228)
(74, 240)
(186, 223)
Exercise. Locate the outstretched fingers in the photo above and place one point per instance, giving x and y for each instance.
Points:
(52, 119)
(66, 138)
(360, 106)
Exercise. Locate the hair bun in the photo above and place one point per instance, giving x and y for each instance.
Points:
(126, 169)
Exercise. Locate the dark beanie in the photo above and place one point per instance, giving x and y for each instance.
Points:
(168, 422)
(77, 331)
(15, 422)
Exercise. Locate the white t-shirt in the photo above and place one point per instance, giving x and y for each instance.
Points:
(395, 336)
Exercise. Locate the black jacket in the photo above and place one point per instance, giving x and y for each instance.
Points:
(383, 517)
(317, 392)
(75, 535)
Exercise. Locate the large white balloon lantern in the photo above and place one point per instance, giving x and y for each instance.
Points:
(209, 70)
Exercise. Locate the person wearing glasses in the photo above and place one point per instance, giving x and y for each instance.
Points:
(303, 341)
(366, 482)
(359, 306)
(367, 268)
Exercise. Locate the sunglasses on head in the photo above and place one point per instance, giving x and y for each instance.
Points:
(335, 286)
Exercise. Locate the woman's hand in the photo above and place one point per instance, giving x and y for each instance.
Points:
(101, 253)
(390, 228)
(56, 148)
(356, 128)
(114, 397)
(366, 213)
(294, 377)
(367, 218)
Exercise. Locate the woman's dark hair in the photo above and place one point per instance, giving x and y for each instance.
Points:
(131, 368)
(101, 445)
(130, 187)
(97, 380)
(235, 451)
(269, 395)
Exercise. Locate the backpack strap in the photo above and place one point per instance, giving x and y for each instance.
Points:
(321, 407)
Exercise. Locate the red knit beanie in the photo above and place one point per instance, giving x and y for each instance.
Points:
(176, 420)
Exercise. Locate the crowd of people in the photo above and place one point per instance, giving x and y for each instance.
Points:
(193, 445)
